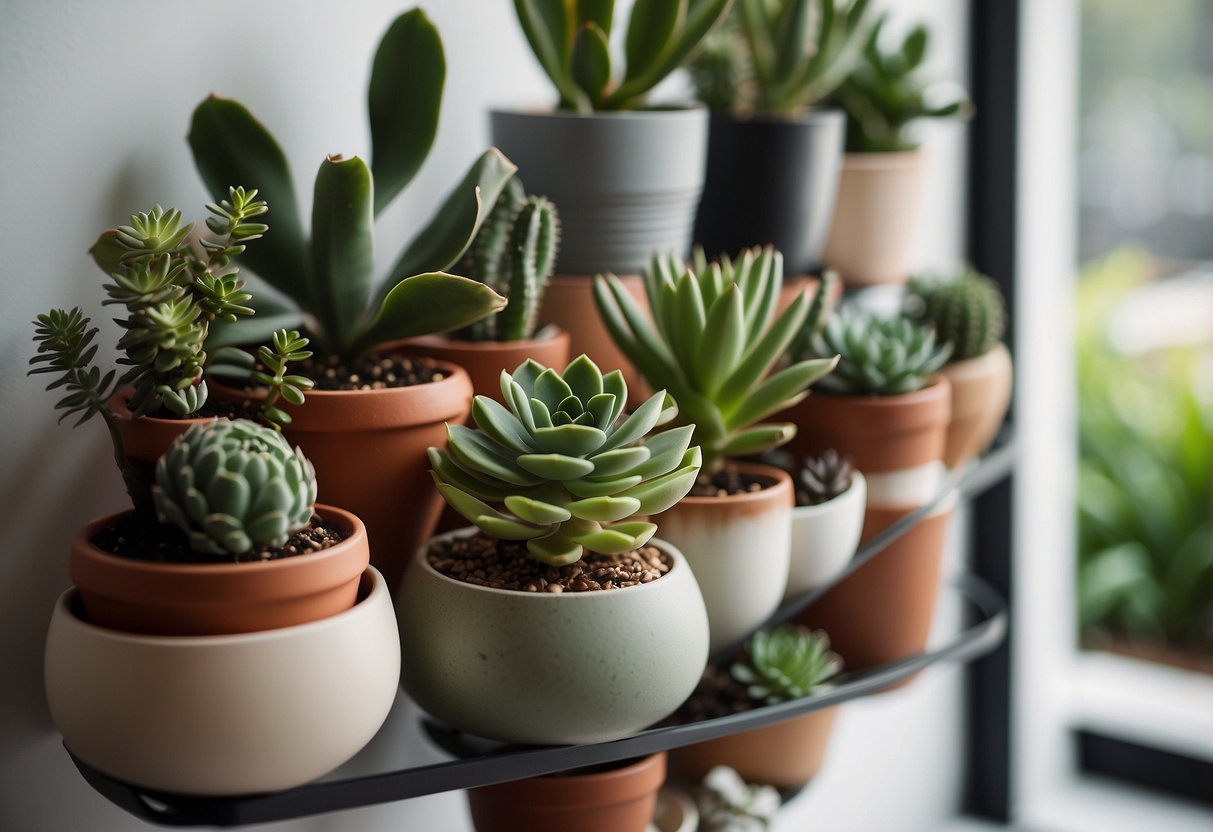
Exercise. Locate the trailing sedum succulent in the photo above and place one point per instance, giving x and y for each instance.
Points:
(564, 464)
(786, 663)
(882, 357)
(711, 344)
(232, 486)
(886, 92)
(570, 39)
(967, 311)
(514, 254)
(823, 477)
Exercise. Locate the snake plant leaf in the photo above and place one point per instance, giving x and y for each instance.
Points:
(914, 49)
(793, 33)
(424, 303)
(549, 30)
(782, 390)
(343, 242)
(501, 425)
(482, 486)
(403, 102)
(621, 460)
(230, 146)
(556, 466)
(658, 494)
(604, 509)
(472, 450)
(590, 61)
(651, 31)
(723, 343)
(601, 12)
(698, 20)
(555, 549)
(570, 440)
(759, 439)
(451, 230)
(665, 452)
(642, 420)
(536, 511)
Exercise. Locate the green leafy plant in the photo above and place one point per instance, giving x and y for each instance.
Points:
(786, 663)
(232, 486)
(967, 311)
(823, 477)
(566, 466)
(878, 356)
(329, 278)
(887, 91)
(514, 253)
(570, 39)
(779, 57)
(712, 340)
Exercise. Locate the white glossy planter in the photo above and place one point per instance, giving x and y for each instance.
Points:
(824, 537)
(543, 668)
(224, 715)
(739, 548)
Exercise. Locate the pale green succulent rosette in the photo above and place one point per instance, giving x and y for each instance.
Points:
(881, 357)
(785, 663)
(566, 468)
(232, 485)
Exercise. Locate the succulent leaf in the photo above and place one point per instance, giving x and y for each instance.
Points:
(785, 663)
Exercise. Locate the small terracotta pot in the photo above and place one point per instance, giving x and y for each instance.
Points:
(785, 755)
(179, 599)
(981, 394)
(881, 433)
(368, 448)
(484, 360)
(619, 799)
(882, 611)
(569, 304)
(739, 548)
(876, 216)
(145, 440)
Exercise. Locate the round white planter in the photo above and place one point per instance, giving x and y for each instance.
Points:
(224, 715)
(824, 537)
(542, 668)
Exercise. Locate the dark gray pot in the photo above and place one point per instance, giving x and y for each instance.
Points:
(772, 181)
(626, 184)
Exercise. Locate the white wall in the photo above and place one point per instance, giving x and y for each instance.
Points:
(95, 100)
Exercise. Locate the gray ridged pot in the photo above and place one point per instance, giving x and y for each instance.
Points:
(627, 183)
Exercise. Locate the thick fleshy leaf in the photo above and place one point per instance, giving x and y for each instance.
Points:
(651, 28)
(107, 251)
(228, 494)
(665, 452)
(602, 409)
(604, 509)
(583, 378)
(500, 424)
(536, 511)
(619, 461)
(758, 440)
(723, 343)
(780, 391)
(658, 494)
(470, 507)
(526, 374)
(476, 452)
(590, 61)
(555, 549)
(615, 384)
(556, 466)
(601, 12)
(763, 354)
(540, 414)
(701, 17)
(793, 31)
(272, 529)
(690, 318)
(481, 485)
(598, 488)
(343, 247)
(638, 424)
(428, 303)
(507, 528)
(551, 389)
(572, 406)
(549, 30)
(570, 440)
(403, 102)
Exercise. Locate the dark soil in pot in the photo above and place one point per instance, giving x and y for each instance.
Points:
(728, 481)
(138, 538)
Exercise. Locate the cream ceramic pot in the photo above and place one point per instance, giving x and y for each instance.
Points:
(224, 715)
(824, 537)
(543, 668)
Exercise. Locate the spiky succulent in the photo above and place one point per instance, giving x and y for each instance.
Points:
(514, 254)
(564, 464)
(233, 485)
(878, 356)
(786, 663)
(711, 342)
(823, 477)
(967, 311)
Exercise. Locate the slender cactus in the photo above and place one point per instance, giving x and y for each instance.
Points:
(532, 256)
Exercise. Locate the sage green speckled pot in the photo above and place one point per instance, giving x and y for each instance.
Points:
(551, 669)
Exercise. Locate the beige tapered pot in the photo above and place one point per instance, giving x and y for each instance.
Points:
(981, 394)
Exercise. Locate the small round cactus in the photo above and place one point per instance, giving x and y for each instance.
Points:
(967, 311)
(232, 486)
(786, 663)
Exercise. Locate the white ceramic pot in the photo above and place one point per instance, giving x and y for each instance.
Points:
(543, 668)
(224, 715)
(824, 537)
(739, 548)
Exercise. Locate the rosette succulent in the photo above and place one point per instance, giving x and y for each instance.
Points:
(967, 311)
(786, 663)
(561, 467)
(232, 485)
(823, 477)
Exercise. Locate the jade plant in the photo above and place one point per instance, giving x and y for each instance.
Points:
(785, 663)
(328, 275)
(887, 91)
(822, 477)
(571, 41)
(561, 467)
(514, 254)
(967, 311)
(779, 57)
(232, 486)
(711, 343)
(877, 356)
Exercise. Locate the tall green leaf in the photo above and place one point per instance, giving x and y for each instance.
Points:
(601, 12)
(549, 29)
(343, 247)
(651, 30)
(590, 63)
(425, 303)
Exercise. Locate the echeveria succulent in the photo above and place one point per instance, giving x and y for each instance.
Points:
(823, 477)
(879, 356)
(564, 463)
(785, 663)
(232, 485)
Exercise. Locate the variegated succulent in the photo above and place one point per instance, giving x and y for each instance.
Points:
(233, 485)
(566, 467)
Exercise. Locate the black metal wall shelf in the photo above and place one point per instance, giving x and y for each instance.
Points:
(381, 774)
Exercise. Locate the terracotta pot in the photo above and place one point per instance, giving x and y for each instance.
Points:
(877, 216)
(882, 611)
(981, 394)
(618, 799)
(484, 360)
(824, 538)
(178, 599)
(224, 715)
(881, 433)
(739, 548)
(569, 304)
(785, 755)
(551, 669)
(145, 440)
(368, 448)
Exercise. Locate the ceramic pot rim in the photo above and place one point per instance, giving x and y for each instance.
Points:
(800, 120)
(858, 481)
(886, 160)
(781, 481)
(679, 565)
(690, 111)
(937, 391)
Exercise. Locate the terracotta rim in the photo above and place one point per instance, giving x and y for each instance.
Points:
(868, 412)
(633, 780)
(146, 438)
(778, 482)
